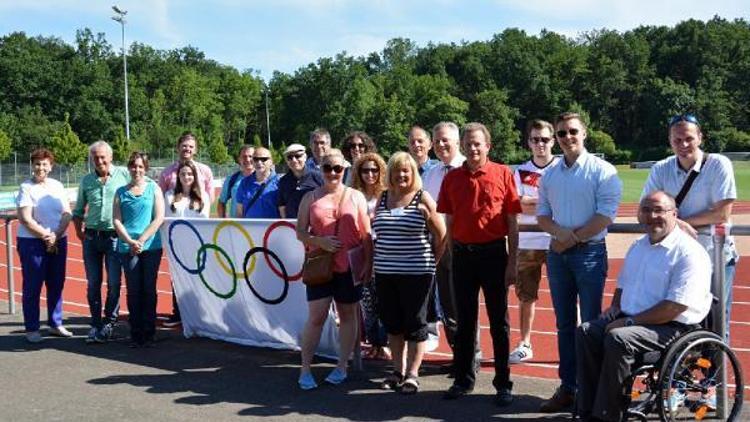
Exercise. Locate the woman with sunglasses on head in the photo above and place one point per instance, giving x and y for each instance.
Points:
(409, 240)
(137, 214)
(257, 196)
(44, 213)
(333, 217)
(297, 182)
(187, 199)
(369, 178)
(355, 145)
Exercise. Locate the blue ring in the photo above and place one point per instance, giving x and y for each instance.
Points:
(285, 277)
(202, 266)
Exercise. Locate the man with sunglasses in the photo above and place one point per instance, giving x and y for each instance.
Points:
(225, 208)
(419, 149)
(297, 182)
(707, 200)
(258, 194)
(578, 199)
(532, 247)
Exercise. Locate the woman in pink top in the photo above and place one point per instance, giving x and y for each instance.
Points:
(316, 228)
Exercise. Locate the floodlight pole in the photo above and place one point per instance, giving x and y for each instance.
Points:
(121, 19)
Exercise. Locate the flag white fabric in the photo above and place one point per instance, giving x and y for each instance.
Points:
(239, 280)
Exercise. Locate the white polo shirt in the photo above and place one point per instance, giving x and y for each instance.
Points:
(432, 179)
(715, 182)
(677, 269)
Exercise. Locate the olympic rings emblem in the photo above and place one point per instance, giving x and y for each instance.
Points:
(249, 262)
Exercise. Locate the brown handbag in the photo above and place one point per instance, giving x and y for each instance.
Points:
(318, 266)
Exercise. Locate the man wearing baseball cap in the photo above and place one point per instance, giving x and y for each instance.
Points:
(297, 181)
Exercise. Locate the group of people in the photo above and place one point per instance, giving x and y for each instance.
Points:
(433, 232)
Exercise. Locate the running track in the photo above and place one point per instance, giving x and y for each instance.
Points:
(544, 363)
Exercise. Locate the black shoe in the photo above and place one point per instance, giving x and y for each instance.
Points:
(172, 322)
(456, 392)
(503, 397)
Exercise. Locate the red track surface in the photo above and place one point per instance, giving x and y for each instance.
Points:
(544, 363)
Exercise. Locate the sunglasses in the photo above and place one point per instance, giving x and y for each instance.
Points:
(374, 170)
(539, 140)
(564, 133)
(327, 168)
(261, 159)
(357, 146)
(690, 118)
(296, 155)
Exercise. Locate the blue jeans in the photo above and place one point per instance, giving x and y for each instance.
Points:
(100, 247)
(575, 276)
(41, 268)
(140, 276)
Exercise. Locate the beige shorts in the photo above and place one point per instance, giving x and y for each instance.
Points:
(529, 274)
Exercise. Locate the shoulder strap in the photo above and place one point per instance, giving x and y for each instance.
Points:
(689, 182)
(256, 196)
(232, 181)
(417, 198)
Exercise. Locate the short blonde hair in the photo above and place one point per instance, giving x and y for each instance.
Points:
(399, 160)
(331, 154)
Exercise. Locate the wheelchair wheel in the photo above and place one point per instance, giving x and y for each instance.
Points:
(641, 392)
(700, 379)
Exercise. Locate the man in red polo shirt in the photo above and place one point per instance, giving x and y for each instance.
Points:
(480, 202)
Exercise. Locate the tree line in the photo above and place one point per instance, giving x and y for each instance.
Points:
(627, 85)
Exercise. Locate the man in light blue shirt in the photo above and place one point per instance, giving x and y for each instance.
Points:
(227, 207)
(419, 149)
(709, 199)
(578, 199)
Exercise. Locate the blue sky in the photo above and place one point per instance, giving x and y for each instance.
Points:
(287, 34)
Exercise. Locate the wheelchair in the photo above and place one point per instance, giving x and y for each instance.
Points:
(696, 377)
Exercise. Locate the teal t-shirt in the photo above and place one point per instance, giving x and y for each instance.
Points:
(137, 213)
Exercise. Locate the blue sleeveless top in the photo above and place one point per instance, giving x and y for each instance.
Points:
(137, 213)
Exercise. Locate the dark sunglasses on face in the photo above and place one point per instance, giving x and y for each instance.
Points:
(690, 118)
(357, 146)
(261, 159)
(369, 170)
(540, 140)
(327, 168)
(297, 155)
(563, 133)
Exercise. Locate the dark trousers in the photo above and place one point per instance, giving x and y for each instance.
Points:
(38, 268)
(604, 361)
(476, 267)
(140, 276)
(101, 247)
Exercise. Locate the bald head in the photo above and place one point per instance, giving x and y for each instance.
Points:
(658, 213)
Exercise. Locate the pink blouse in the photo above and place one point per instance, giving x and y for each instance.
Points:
(323, 216)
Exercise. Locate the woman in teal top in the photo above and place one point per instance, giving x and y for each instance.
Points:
(137, 213)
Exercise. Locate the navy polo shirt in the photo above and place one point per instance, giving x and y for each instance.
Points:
(291, 189)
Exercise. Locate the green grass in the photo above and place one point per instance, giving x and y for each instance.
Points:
(634, 179)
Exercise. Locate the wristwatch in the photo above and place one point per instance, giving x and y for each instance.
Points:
(629, 321)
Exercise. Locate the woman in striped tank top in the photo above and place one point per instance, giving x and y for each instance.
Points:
(409, 240)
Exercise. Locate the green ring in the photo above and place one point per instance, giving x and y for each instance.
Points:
(201, 251)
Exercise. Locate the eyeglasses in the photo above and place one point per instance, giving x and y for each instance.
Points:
(687, 117)
(295, 155)
(373, 170)
(563, 133)
(539, 140)
(261, 159)
(327, 168)
(657, 211)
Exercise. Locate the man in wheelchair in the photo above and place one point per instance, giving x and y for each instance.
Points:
(663, 290)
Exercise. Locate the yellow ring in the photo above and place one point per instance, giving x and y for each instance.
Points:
(247, 237)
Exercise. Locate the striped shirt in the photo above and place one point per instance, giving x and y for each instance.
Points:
(402, 241)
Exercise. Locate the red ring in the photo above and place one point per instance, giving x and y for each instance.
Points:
(271, 228)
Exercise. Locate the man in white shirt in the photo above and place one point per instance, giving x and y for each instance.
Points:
(445, 144)
(532, 246)
(663, 290)
(710, 197)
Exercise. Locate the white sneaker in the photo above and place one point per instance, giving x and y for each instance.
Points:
(59, 331)
(34, 337)
(521, 353)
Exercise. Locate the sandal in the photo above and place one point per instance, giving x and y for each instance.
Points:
(392, 381)
(410, 385)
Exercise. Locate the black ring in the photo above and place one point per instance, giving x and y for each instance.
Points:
(285, 277)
